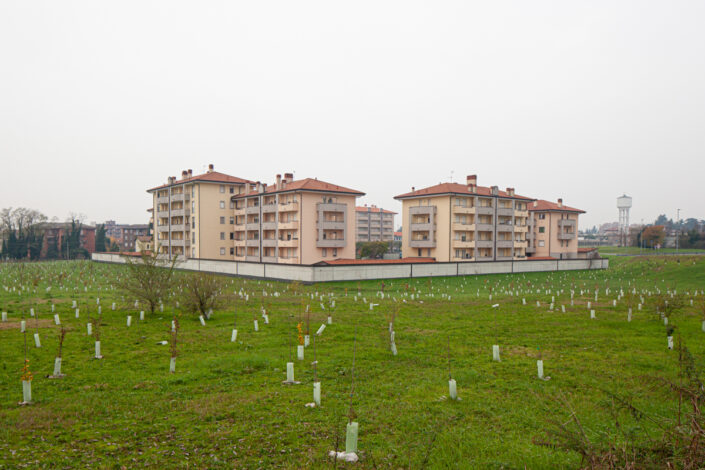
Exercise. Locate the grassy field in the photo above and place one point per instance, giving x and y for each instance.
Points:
(226, 406)
(635, 250)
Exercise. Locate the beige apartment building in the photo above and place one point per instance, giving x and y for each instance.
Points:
(374, 224)
(464, 222)
(553, 230)
(193, 215)
(296, 222)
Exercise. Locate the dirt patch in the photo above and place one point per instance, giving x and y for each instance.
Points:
(31, 324)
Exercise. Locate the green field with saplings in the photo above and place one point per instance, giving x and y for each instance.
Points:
(613, 395)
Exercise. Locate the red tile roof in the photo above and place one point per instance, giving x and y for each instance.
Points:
(457, 188)
(212, 177)
(397, 234)
(307, 184)
(343, 261)
(542, 206)
(372, 209)
(586, 249)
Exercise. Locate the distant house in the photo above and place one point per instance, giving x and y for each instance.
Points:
(125, 235)
(57, 232)
(143, 243)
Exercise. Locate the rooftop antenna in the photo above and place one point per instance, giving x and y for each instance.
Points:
(451, 175)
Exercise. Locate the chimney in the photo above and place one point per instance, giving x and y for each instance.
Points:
(190, 172)
(510, 192)
(413, 189)
(184, 174)
(283, 184)
(279, 182)
(289, 177)
(495, 190)
(210, 168)
(536, 204)
(560, 203)
(472, 180)
(260, 189)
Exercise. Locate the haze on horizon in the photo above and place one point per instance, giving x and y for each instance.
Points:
(584, 101)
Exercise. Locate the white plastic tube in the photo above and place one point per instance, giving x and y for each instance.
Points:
(539, 367)
(256, 326)
(129, 320)
(307, 340)
(629, 314)
(37, 343)
(394, 349)
(141, 314)
(233, 336)
(172, 365)
(317, 393)
(670, 342)
(495, 352)
(452, 389)
(97, 350)
(27, 391)
(23, 326)
(77, 313)
(300, 352)
(202, 320)
(351, 437)
(89, 329)
(4, 316)
(592, 314)
(665, 321)
(703, 325)
(290, 372)
(330, 320)
(320, 329)
(57, 367)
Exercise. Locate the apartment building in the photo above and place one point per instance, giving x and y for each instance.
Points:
(373, 224)
(294, 221)
(125, 235)
(464, 222)
(553, 230)
(193, 215)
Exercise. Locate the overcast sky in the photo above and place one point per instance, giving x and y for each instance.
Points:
(581, 100)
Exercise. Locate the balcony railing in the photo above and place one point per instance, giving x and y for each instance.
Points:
(463, 244)
(484, 243)
(484, 210)
(422, 243)
(330, 243)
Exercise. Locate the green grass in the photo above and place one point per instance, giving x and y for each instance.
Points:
(226, 406)
(635, 250)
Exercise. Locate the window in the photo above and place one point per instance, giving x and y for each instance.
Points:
(232, 191)
(335, 252)
(222, 235)
(232, 205)
(222, 190)
(419, 252)
(193, 205)
(193, 252)
(222, 251)
(542, 216)
(222, 220)
(542, 229)
(232, 250)
(232, 220)
(325, 252)
(232, 235)
(222, 204)
(193, 238)
(542, 243)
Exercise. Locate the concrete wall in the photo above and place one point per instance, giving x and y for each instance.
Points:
(310, 274)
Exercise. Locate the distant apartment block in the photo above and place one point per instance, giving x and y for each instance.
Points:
(223, 217)
(193, 215)
(56, 234)
(374, 224)
(125, 236)
(553, 230)
(294, 221)
(464, 222)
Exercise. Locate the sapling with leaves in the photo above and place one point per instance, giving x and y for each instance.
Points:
(57, 361)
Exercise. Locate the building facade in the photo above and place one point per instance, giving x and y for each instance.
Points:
(125, 236)
(194, 214)
(373, 224)
(56, 234)
(294, 221)
(464, 222)
(553, 230)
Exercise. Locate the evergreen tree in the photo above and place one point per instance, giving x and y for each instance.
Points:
(52, 249)
(100, 238)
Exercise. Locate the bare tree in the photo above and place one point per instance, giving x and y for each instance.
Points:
(149, 278)
(202, 293)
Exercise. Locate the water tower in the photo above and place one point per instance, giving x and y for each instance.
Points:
(624, 203)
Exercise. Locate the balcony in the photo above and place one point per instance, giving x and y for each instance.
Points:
(484, 243)
(463, 244)
(240, 211)
(239, 243)
(422, 243)
(458, 227)
(331, 207)
(180, 197)
(483, 258)
(293, 243)
(504, 258)
(252, 210)
(425, 227)
(530, 249)
(252, 226)
(269, 242)
(484, 210)
(288, 207)
(505, 228)
(289, 260)
(566, 223)
(269, 259)
(463, 209)
(252, 242)
(180, 212)
(520, 243)
(484, 227)
(506, 211)
(330, 225)
(163, 200)
(179, 227)
(269, 225)
(518, 213)
(563, 235)
(292, 225)
(184, 242)
(254, 258)
(521, 229)
(331, 243)
(505, 243)
(422, 210)
(267, 208)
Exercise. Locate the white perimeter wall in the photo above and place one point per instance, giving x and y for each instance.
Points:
(309, 274)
